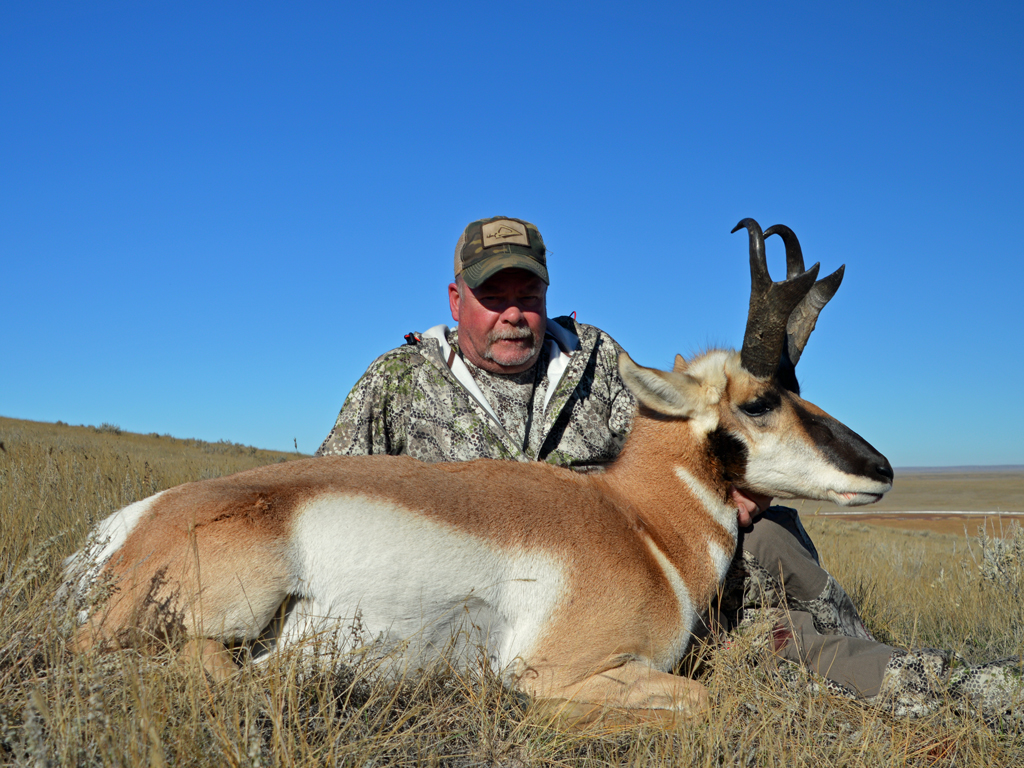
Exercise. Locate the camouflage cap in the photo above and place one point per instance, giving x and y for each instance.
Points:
(488, 246)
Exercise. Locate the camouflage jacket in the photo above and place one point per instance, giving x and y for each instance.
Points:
(420, 400)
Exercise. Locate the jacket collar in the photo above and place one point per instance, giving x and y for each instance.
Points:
(571, 346)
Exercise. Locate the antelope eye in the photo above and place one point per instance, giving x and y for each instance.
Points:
(756, 407)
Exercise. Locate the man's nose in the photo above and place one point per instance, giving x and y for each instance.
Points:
(512, 314)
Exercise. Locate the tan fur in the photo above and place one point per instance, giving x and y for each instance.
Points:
(181, 573)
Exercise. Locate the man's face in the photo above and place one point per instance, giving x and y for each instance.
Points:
(501, 322)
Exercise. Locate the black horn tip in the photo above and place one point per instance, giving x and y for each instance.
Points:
(747, 223)
(826, 287)
(794, 254)
(779, 229)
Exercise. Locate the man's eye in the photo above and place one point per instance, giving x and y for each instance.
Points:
(756, 408)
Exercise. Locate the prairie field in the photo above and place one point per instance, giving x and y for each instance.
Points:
(939, 588)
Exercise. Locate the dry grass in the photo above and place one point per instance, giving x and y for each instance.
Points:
(921, 589)
(125, 709)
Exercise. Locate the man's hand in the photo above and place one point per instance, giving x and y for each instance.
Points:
(749, 505)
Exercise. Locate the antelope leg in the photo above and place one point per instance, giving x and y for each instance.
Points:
(627, 693)
(212, 655)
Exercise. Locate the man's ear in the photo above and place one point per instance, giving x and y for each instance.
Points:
(667, 392)
(453, 300)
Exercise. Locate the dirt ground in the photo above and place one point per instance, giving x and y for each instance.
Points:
(961, 525)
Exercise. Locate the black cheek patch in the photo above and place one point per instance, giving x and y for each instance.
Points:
(729, 452)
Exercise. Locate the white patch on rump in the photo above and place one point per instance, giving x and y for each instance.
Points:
(398, 576)
(109, 535)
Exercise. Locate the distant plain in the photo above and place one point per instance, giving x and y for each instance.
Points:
(963, 498)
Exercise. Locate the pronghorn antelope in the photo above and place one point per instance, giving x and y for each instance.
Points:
(584, 588)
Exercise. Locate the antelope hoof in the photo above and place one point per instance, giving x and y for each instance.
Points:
(214, 657)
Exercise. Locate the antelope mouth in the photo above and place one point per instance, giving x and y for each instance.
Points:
(853, 498)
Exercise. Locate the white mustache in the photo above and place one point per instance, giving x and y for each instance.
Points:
(511, 333)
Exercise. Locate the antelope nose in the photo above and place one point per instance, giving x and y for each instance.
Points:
(885, 470)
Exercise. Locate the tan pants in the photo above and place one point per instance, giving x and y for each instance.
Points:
(827, 634)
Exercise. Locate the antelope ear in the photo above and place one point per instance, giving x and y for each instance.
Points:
(680, 364)
(667, 392)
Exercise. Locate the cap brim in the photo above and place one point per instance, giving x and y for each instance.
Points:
(477, 274)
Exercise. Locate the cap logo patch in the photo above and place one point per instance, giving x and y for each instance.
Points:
(504, 231)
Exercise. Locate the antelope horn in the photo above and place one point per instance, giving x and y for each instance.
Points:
(770, 307)
(803, 318)
(794, 253)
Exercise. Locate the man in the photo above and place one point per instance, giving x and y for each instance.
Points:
(507, 384)
(511, 384)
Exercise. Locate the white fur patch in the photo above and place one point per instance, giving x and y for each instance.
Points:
(377, 571)
(687, 616)
(720, 510)
(786, 468)
(709, 369)
(709, 372)
(720, 558)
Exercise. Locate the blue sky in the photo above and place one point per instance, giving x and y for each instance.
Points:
(214, 215)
